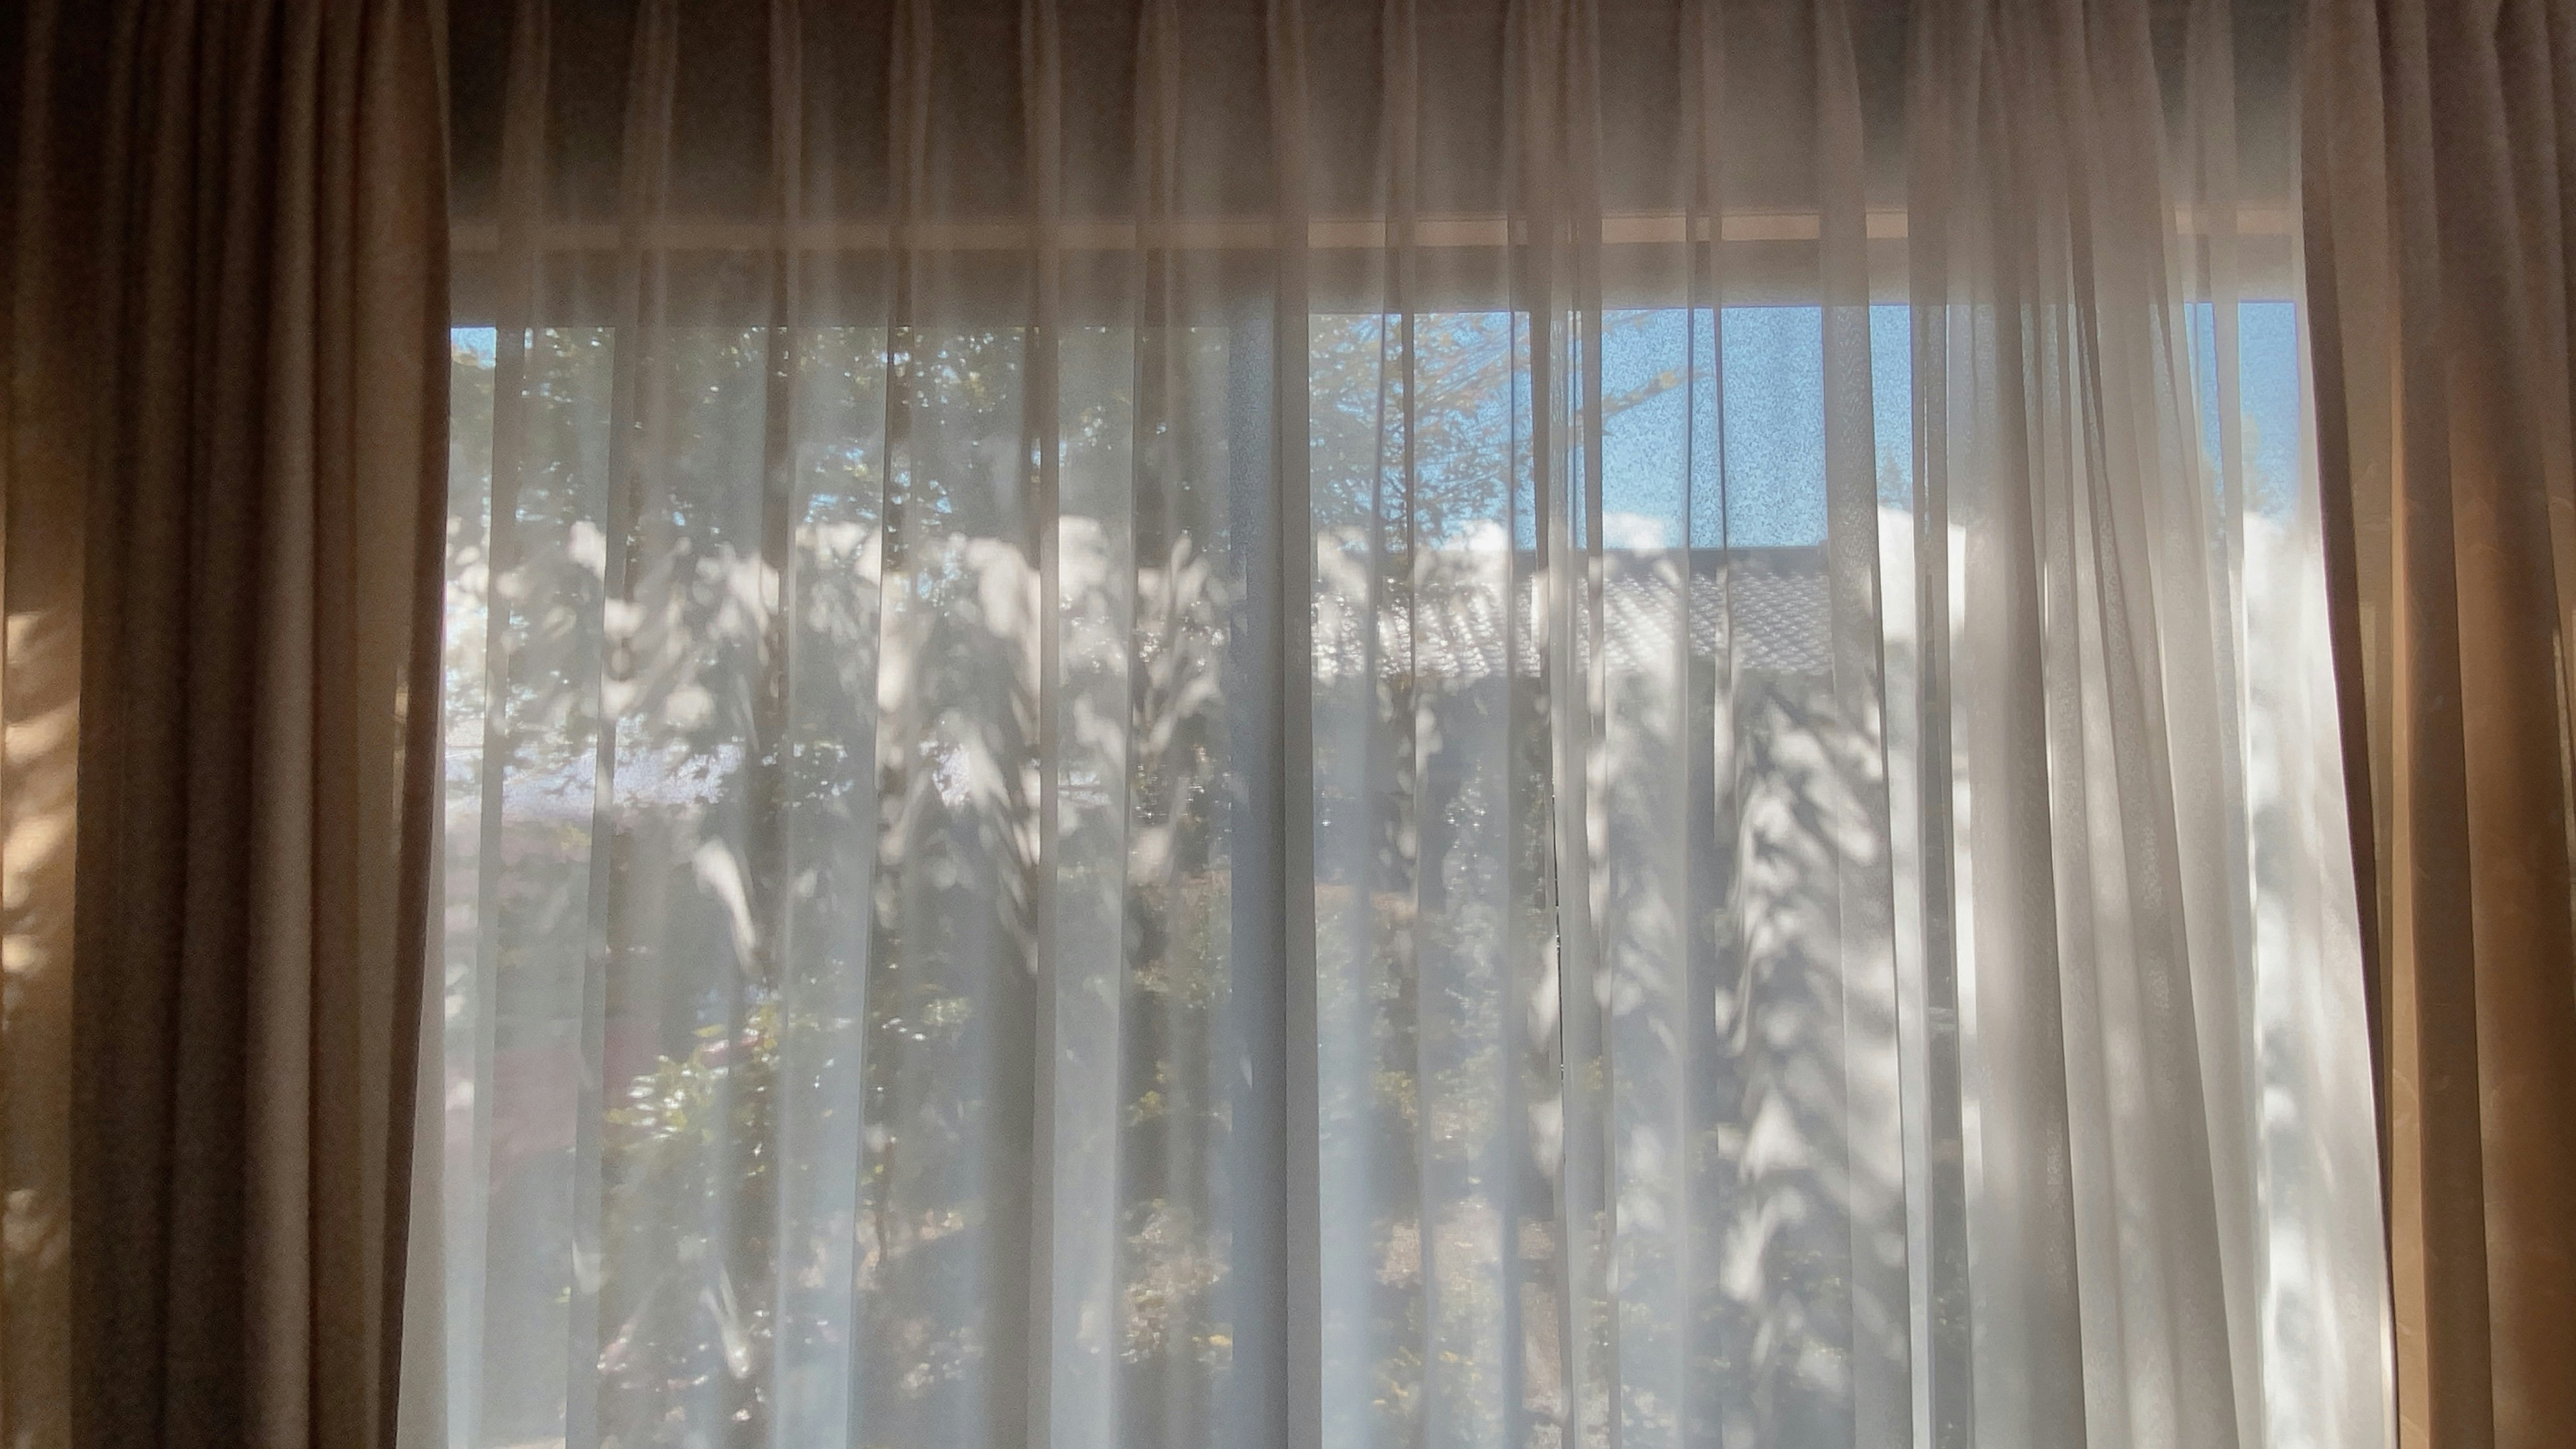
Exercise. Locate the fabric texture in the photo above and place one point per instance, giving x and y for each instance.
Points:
(1467, 722)
(2441, 230)
(227, 393)
(48, 245)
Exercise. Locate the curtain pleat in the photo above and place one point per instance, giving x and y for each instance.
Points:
(2437, 156)
(228, 279)
(1464, 722)
(48, 422)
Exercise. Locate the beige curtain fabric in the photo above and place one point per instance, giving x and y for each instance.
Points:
(1410, 722)
(48, 417)
(227, 393)
(2441, 227)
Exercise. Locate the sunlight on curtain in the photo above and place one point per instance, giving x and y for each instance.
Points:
(1381, 724)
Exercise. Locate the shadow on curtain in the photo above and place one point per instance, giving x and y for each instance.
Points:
(1466, 723)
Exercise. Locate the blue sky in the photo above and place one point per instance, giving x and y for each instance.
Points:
(1772, 421)
(1773, 416)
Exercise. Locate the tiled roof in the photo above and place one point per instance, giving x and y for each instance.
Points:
(1775, 600)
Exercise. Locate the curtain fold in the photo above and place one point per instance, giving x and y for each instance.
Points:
(47, 419)
(2437, 226)
(228, 264)
(1474, 722)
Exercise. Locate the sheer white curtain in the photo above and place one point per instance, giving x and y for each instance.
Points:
(1449, 722)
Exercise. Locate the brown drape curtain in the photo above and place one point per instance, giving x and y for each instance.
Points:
(225, 465)
(2441, 247)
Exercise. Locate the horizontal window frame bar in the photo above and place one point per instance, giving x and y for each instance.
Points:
(1618, 229)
